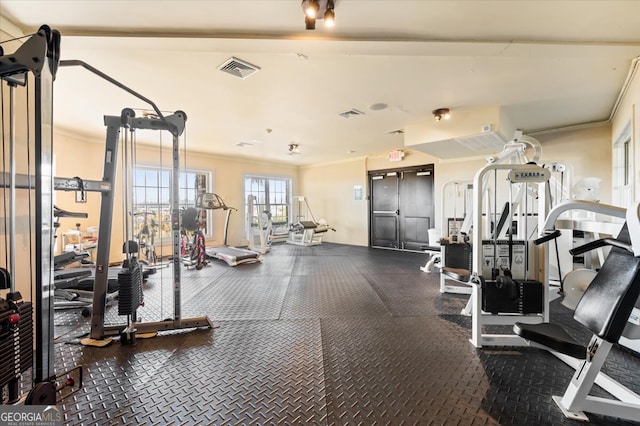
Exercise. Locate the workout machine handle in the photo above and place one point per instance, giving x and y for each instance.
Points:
(600, 243)
(76, 62)
(58, 212)
(548, 236)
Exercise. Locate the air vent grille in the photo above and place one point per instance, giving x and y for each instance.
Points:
(351, 112)
(238, 67)
(482, 142)
(396, 132)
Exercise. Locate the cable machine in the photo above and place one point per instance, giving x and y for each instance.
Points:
(506, 283)
(174, 124)
(34, 64)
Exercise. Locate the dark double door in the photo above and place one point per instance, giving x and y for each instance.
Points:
(401, 208)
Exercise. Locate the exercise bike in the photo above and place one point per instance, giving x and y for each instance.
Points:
(146, 239)
(193, 255)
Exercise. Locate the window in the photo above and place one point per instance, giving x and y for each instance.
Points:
(152, 200)
(627, 162)
(623, 168)
(272, 195)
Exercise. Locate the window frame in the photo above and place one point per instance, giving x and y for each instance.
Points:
(162, 185)
(280, 219)
(623, 169)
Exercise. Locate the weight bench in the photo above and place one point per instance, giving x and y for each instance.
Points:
(604, 310)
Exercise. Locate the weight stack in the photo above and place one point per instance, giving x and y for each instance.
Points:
(512, 296)
(130, 289)
(531, 297)
(16, 338)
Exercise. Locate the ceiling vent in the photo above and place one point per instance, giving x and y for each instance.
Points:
(471, 132)
(350, 113)
(483, 142)
(252, 142)
(396, 132)
(238, 67)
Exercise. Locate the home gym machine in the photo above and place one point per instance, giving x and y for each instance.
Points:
(233, 256)
(101, 334)
(503, 274)
(608, 309)
(453, 245)
(32, 67)
(306, 231)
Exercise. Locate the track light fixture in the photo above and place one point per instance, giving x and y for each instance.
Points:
(318, 9)
(329, 17)
(440, 113)
(311, 8)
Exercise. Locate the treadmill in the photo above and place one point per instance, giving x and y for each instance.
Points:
(233, 256)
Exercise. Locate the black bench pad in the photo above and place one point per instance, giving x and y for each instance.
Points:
(551, 336)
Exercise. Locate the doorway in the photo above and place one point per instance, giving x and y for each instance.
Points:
(401, 210)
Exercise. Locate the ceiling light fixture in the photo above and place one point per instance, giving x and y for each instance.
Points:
(311, 8)
(329, 16)
(318, 9)
(294, 148)
(441, 113)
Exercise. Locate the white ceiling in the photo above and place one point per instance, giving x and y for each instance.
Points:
(549, 64)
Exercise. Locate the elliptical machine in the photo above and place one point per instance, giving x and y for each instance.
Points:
(259, 227)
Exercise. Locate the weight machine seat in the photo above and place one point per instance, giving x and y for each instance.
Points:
(307, 224)
(606, 304)
(552, 336)
(457, 274)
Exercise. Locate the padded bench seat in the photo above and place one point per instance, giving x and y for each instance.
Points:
(552, 336)
(457, 274)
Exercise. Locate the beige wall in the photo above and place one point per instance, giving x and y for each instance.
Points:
(329, 187)
(329, 190)
(626, 114)
(78, 157)
(588, 151)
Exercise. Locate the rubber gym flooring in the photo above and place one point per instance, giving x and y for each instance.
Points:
(325, 335)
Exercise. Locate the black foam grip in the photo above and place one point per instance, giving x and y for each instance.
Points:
(591, 245)
(548, 236)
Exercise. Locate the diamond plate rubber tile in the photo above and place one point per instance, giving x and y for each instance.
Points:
(395, 351)
(408, 370)
(415, 370)
(158, 293)
(284, 249)
(415, 293)
(391, 261)
(294, 250)
(335, 295)
(113, 374)
(240, 297)
(251, 373)
(523, 380)
(325, 265)
(270, 266)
